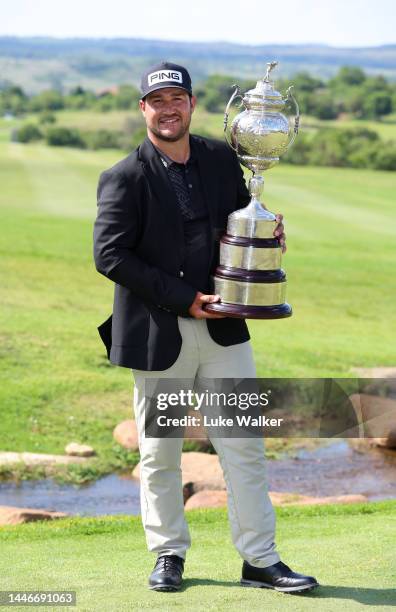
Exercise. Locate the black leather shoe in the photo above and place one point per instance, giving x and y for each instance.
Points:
(167, 573)
(279, 577)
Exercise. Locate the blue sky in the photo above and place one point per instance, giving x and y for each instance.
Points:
(347, 23)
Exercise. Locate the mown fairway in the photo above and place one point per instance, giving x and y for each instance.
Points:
(210, 124)
(348, 548)
(57, 385)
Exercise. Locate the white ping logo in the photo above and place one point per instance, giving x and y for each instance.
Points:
(164, 75)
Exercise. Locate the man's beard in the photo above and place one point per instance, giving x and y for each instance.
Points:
(183, 130)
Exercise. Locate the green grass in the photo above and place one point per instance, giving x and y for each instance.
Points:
(348, 548)
(340, 228)
(213, 122)
(57, 385)
(203, 121)
(386, 127)
(90, 120)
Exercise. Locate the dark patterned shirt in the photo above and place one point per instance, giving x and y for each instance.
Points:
(186, 183)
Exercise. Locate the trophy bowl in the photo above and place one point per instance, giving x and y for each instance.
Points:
(249, 277)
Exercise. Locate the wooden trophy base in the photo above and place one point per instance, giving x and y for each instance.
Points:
(241, 311)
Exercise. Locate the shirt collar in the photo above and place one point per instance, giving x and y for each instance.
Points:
(167, 161)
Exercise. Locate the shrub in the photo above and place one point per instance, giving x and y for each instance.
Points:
(341, 147)
(385, 158)
(133, 133)
(64, 137)
(364, 156)
(137, 137)
(102, 139)
(327, 148)
(46, 117)
(299, 151)
(356, 148)
(28, 133)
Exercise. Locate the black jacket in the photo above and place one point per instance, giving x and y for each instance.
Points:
(139, 244)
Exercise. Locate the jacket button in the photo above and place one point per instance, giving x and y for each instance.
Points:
(181, 273)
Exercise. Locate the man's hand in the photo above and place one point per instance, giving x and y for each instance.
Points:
(196, 311)
(279, 233)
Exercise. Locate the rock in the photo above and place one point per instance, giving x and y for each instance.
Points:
(79, 450)
(201, 466)
(207, 499)
(195, 466)
(10, 515)
(284, 499)
(388, 442)
(197, 444)
(9, 458)
(287, 499)
(210, 484)
(378, 414)
(197, 434)
(125, 433)
(377, 381)
(217, 499)
(200, 471)
(385, 372)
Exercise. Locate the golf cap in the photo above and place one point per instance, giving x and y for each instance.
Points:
(163, 75)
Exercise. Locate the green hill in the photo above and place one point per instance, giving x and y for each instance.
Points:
(37, 63)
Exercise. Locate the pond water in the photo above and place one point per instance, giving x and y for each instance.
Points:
(335, 469)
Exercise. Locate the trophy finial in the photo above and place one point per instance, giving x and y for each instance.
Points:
(270, 66)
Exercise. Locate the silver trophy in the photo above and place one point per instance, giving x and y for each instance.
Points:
(249, 278)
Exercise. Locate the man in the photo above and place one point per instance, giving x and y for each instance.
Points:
(161, 212)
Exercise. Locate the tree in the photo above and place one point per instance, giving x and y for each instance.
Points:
(349, 75)
(13, 100)
(105, 102)
(303, 81)
(324, 107)
(377, 104)
(49, 99)
(79, 98)
(217, 90)
(375, 83)
(127, 97)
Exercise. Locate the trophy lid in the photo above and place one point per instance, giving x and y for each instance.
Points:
(264, 95)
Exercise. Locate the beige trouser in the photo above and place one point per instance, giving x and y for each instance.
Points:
(250, 511)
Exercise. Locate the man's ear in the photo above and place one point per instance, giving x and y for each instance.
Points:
(142, 105)
(193, 101)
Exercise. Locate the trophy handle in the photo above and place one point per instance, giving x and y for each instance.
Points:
(291, 99)
(235, 94)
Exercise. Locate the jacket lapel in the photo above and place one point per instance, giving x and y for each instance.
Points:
(209, 182)
(159, 183)
(156, 175)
